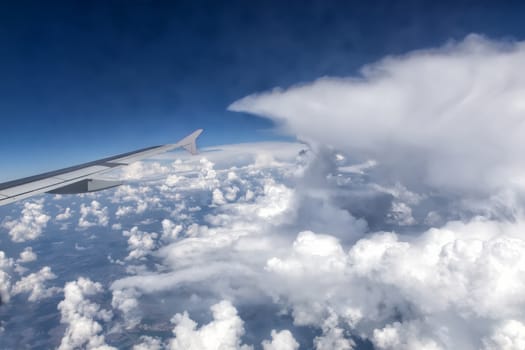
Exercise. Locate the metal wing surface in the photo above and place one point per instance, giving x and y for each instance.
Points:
(80, 178)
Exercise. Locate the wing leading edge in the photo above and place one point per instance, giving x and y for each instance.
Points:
(79, 178)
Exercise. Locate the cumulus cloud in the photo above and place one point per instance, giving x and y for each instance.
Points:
(30, 225)
(333, 336)
(407, 335)
(170, 230)
(80, 316)
(139, 243)
(126, 302)
(129, 210)
(510, 335)
(224, 231)
(282, 340)
(218, 197)
(450, 118)
(65, 215)
(223, 332)
(27, 255)
(450, 285)
(143, 169)
(6, 264)
(173, 179)
(93, 215)
(34, 284)
(133, 200)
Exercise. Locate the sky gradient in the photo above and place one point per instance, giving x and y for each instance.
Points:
(84, 80)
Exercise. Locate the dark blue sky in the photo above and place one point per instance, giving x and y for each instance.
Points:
(80, 80)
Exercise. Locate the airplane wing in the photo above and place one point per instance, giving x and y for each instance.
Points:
(80, 178)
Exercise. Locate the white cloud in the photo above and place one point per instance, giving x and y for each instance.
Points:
(143, 169)
(34, 284)
(173, 179)
(30, 225)
(450, 284)
(407, 335)
(127, 210)
(140, 243)
(126, 302)
(133, 199)
(218, 197)
(123, 211)
(27, 255)
(282, 340)
(129, 193)
(6, 264)
(93, 215)
(275, 202)
(65, 215)
(170, 230)
(333, 337)
(81, 315)
(510, 335)
(222, 333)
(401, 214)
(312, 254)
(450, 117)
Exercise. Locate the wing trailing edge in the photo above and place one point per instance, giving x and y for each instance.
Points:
(85, 186)
(80, 178)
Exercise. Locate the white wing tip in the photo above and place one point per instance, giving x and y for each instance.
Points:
(189, 143)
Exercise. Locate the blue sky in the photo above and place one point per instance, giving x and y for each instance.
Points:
(83, 80)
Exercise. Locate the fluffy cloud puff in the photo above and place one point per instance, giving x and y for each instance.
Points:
(30, 225)
(451, 118)
(509, 336)
(81, 315)
(34, 284)
(170, 230)
(65, 215)
(139, 243)
(282, 340)
(27, 255)
(126, 302)
(6, 264)
(224, 230)
(452, 287)
(94, 212)
(223, 332)
(140, 170)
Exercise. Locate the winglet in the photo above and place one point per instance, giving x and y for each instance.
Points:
(189, 142)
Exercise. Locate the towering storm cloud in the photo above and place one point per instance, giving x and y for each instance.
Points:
(452, 118)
